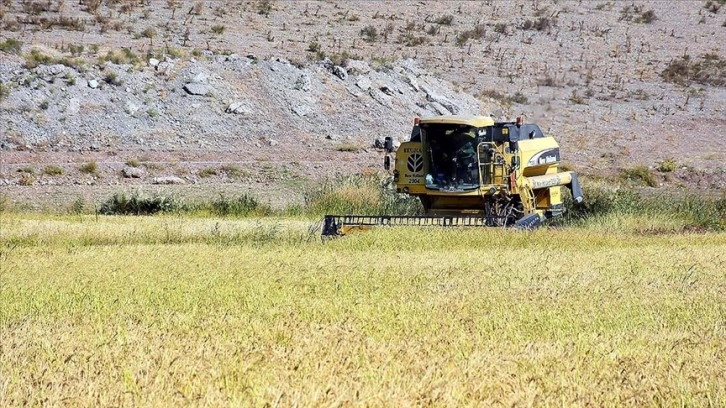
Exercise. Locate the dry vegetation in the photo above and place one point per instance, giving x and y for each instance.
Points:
(594, 74)
(172, 310)
(625, 308)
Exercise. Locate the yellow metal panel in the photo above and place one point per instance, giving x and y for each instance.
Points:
(351, 229)
(550, 180)
(542, 200)
(555, 195)
(476, 121)
(412, 164)
(529, 148)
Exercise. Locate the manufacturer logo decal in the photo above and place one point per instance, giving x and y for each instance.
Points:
(415, 163)
(545, 157)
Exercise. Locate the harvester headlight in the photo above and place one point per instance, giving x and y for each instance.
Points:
(493, 190)
(405, 190)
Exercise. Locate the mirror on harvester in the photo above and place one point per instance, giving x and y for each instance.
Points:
(387, 162)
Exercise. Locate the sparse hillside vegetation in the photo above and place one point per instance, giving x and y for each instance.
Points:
(710, 69)
(314, 82)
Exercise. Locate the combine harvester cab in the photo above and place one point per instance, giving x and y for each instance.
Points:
(472, 171)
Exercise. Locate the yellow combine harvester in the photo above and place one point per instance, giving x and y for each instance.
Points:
(473, 171)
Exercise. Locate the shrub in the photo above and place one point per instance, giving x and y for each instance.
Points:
(365, 195)
(218, 29)
(369, 33)
(75, 63)
(52, 170)
(241, 206)
(4, 91)
(704, 211)
(27, 170)
(447, 20)
(138, 204)
(129, 56)
(603, 201)
(89, 168)
(518, 97)
(667, 166)
(477, 32)
(11, 46)
(695, 211)
(540, 24)
(133, 163)
(36, 58)
(207, 172)
(26, 179)
(636, 14)
(36, 7)
(343, 58)
(710, 70)
(92, 6)
(639, 174)
(112, 78)
(576, 98)
(174, 52)
(411, 40)
(220, 11)
(264, 7)
(78, 206)
(549, 80)
(347, 147)
(647, 17)
(232, 171)
(713, 6)
(75, 50)
(493, 94)
(314, 47)
(148, 32)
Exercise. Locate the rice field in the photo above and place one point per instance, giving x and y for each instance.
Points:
(181, 310)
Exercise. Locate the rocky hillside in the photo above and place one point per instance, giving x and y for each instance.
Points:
(304, 88)
(217, 103)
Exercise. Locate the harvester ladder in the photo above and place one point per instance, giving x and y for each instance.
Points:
(528, 199)
(491, 170)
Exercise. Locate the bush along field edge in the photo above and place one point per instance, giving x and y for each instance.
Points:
(605, 203)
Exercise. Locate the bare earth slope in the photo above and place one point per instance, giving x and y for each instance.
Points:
(287, 92)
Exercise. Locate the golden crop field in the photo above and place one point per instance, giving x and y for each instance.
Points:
(183, 310)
